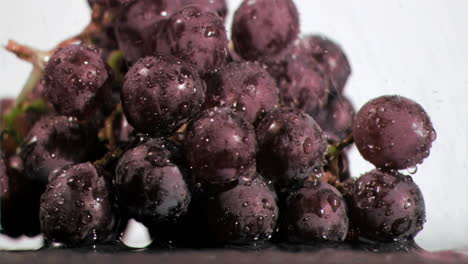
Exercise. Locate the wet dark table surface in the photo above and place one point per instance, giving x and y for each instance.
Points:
(325, 256)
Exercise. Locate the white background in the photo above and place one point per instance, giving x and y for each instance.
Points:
(417, 48)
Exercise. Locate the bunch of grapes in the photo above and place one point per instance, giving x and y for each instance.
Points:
(208, 144)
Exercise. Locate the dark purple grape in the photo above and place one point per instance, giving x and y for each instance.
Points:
(219, 6)
(54, 142)
(302, 81)
(316, 212)
(330, 55)
(137, 23)
(291, 146)
(161, 93)
(150, 185)
(244, 215)
(220, 147)
(77, 207)
(336, 118)
(20, 197)
(387, 206)
(264, 28)
(393, 132)
(245, 87)
(197, 36)
(77, 81)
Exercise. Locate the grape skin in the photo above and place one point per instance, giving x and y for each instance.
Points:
(393, 132)
(161, 93)
(77, 81)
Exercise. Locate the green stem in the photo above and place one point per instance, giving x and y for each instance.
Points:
(34, 78)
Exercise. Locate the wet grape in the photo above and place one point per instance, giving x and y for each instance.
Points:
(387, 206)
(336, 118)
(219, 6)
(393, 132)
(246, 88)
(291, 146)
(77, 81)
(150, 184)
(330, 55)
(246, 214)
(54, 142)
(264, 28)
(314, 213)
(136, 26)
(197, 36)
(303, 83)
(77, 207)
(220, 147)
(161, 93)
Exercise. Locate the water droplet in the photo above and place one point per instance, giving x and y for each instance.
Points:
(79, 203)
(90, 75)
(85, 217)
(308, 145)
(433, 135)
(407, 204)
(60, 200)
(412, 170)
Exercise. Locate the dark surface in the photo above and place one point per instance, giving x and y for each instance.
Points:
(326, 256)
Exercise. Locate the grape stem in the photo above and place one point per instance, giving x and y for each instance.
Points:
(109, 127)
(109, 157)
(333, 156)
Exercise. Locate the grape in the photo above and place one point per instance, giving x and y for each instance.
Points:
(54, 142)
(245, 87)
(387, 206)
(291, 146)
(220, 147)
(196, 36)
(151, 186)
(393, 132)
(219, 6)
(19, 199)
(77, 81)
(136, 26)
(246, 214)
(161, 93)
(316, 212)
(330, 55)
(303, 83)
(76, 208)
(264, 28)
(336, 118)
